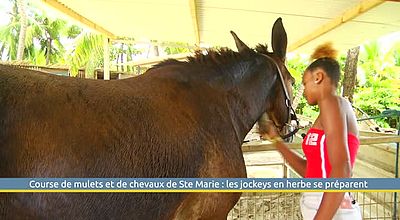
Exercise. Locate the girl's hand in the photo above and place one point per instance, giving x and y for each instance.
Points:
(268, 130)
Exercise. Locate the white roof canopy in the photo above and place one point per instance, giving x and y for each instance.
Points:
(347, 23)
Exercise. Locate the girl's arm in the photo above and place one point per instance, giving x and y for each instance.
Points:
(294, 160)
(334, 123)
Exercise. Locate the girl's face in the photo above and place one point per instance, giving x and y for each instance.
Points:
(309, 88)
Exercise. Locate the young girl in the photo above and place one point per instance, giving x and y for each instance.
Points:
(331, 145)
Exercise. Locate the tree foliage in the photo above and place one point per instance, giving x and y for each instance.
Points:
(296, 67)
(179, 47)
(378, 84)
(87, 53)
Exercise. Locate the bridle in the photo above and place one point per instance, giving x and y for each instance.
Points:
(292, 114)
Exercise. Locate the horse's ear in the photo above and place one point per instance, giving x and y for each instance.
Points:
(279, 39)
(239, 44)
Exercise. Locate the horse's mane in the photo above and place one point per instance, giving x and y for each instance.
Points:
(261, 48)
(210, 57)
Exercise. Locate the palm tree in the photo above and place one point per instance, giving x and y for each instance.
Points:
(49, 33)
(9, 41)
(21, 4)
(88, 53)
(42, 36)
(16, 37)
(8, 36)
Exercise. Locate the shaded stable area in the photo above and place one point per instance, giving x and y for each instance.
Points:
(376, 159)
(309, 23)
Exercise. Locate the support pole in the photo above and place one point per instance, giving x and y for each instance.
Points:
(195, 21)
(106, 58)
(396, 175)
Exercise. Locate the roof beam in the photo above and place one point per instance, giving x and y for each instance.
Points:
(348, 15)
(74, 15)
(195, 21)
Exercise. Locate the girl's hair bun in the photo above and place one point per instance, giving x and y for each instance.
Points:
(325, 50)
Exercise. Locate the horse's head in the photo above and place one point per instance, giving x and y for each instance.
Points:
(278, 103)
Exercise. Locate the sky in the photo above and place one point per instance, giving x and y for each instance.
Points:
(5, 6)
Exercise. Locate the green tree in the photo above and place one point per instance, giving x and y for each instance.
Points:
(396, 54)
(296, 67)
(177, 48)
(87, 53)
(9, 36)
(381, 88)
(379, 91)
(41, 34)
(123, 52)
(49, 33)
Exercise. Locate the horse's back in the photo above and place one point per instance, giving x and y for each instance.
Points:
(58, 126)
(151, 126)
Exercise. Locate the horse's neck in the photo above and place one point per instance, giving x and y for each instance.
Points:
(245, 86)
(247, 101)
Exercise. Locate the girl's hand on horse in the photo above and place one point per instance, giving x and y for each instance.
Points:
(269, 132)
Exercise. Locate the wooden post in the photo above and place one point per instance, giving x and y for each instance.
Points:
(195, 21)
(106, 58)
(285, 169)
(298, 96)
(350, 73)
(156, 51)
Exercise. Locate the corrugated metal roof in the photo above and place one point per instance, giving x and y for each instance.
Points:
(209, 21)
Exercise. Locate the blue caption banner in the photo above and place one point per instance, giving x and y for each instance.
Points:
(196, 184)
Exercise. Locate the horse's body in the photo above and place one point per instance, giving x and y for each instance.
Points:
(149, 126)
(180, 119)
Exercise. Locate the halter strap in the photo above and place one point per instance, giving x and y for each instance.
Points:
(292, 114)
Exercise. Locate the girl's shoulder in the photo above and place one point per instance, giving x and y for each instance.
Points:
(345, 105)
(351, 119)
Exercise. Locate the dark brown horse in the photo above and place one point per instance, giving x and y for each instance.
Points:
(179, 119)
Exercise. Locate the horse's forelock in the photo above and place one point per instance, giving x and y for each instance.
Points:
(263, 48)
